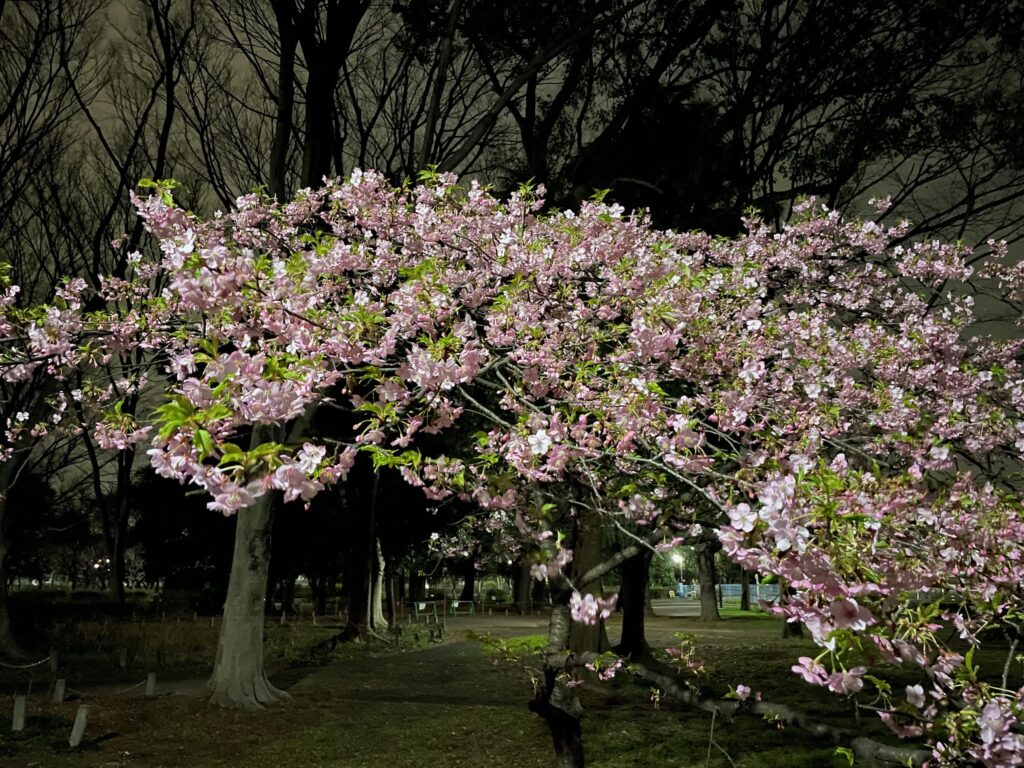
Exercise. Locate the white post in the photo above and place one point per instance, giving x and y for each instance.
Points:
(78, 729)
(123, 657)
(151, 684)
(18, 722)
(58, 690)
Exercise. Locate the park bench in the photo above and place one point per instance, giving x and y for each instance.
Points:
(424, 612)
(461, 608)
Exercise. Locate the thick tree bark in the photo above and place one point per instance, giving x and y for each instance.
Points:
(633, 599)
(706, 575)
(239, 679)
(744, 589)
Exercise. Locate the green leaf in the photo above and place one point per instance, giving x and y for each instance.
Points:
(204, 443)
(883, 687)
(845, 752)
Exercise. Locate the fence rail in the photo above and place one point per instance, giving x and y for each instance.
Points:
(757, 591)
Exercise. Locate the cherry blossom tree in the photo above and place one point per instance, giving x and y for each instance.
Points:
(787, 393)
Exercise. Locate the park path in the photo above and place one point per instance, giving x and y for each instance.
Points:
(434, 674)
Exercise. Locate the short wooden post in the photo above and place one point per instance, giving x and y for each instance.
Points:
(314, 618)
(78, 729)
(59, 688)
(54, 661)
(151, 684)
(283, 619)
(18, 721)
(213, 622)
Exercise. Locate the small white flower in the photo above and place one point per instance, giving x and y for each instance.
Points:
(915, 695)
(540, 443)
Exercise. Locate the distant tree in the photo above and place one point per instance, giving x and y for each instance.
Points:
(187, 550)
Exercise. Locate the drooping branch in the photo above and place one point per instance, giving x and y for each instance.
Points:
(874, 752)
(618, 559)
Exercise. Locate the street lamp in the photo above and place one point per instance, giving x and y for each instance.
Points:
(678, 560)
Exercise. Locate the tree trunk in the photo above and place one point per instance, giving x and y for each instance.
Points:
(288, 594)
(120, 541)
(523, 583)
(360, 576)
(377, 619)
(316, 152)
(8, 646)
(469, 582)
(555, 702)
(790, 629)
(589, 552)
(744, 589)
(538, 590)
(391, 598)
(417, 586)
(706, 576)
(285, 101)
(318, 589)
(633, 599)
(239, 679)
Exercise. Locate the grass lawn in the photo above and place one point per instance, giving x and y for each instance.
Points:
(446, 705)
